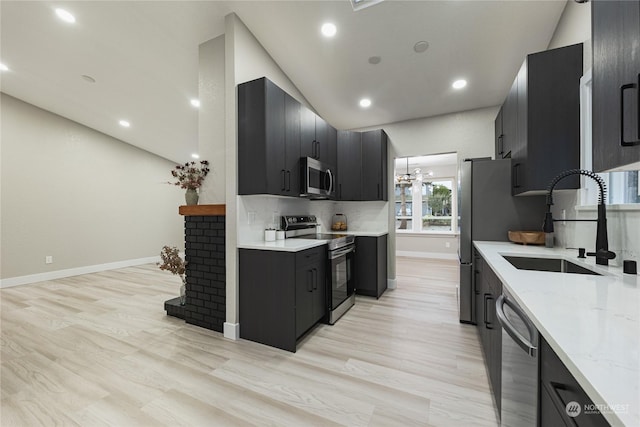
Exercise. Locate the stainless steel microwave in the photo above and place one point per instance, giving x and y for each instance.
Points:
(317, 179)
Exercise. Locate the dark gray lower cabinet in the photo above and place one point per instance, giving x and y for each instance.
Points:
(559, 390)
(371, 265)
(311, 290)
(489, 289)
(282, 294)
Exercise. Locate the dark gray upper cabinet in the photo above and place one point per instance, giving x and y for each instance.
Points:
(318, 138)
(616, 83)
(349, 166)
(547, 124)
(510, 121)
(374, 165)
(362, 165)
(499, 136)
(268, 140)
(292, 145)
(275, 131)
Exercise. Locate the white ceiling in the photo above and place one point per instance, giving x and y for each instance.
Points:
(426, 162)
(144, 58)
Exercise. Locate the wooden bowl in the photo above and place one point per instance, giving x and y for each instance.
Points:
(527, 237)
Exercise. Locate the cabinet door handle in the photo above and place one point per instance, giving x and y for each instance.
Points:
(622, 89)
(282, 174)
(309, 280)
(315, 279)
(559, 402)
(475, 282)
(318, 150)
(288, 180)
(516, 183)
(487, 298)
(501, 144)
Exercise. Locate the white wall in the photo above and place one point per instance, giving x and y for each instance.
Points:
(78, 195)
(468, 133)
(211, 119)
(623, 225)
(245, 60)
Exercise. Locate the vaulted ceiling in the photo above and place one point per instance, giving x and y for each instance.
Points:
(143, 57)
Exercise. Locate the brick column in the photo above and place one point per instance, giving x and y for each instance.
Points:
(206, 276)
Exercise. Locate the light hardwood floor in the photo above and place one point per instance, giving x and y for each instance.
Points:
(98, 350)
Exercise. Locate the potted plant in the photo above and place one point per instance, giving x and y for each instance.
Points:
(172, 262)
(190, 177)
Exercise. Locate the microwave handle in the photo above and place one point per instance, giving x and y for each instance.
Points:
(330, 180)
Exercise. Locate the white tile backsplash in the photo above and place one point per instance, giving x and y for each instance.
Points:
(258, 212)
(623, 227)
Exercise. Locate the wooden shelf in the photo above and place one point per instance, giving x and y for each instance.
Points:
(202, 210)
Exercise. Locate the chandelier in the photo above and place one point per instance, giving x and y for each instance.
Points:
(406, 178)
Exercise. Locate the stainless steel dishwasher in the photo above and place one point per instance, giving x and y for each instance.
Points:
(519, 364)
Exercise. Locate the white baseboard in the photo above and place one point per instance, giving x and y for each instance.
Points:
(231, 330)
(60, 274)
(434, 255)
(392, 283)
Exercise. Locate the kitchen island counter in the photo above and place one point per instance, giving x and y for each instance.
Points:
(591, 322)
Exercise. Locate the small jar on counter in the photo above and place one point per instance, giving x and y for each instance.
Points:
(339, 222)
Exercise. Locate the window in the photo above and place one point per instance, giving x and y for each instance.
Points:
(425, 202)
(622, 187)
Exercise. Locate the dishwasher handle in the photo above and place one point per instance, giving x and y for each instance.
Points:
(530, 348)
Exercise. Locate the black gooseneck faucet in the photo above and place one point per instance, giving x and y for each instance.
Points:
(602, 253)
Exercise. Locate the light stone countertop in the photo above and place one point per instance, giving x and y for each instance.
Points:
(591, 322)
(286, 245)
(359, 233)
(300, 244)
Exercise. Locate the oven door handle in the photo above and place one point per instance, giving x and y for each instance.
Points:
(341, 252)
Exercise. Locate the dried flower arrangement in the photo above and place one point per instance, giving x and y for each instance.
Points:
(190, 175)
(172, 262)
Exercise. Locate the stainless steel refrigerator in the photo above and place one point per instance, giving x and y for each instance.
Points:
(487, 212)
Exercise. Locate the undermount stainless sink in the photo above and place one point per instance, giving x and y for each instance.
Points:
(556, 265)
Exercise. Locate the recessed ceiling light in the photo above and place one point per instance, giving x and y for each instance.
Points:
(88, 79)
(65, 16)
(375, 60)
(195, 155)
(3, 67)
(124, 123)
(328, 29)
(365, 102)
(195, 103)
(421, 46)
(459, 84)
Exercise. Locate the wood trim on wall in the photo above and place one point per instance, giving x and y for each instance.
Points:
(202, 210)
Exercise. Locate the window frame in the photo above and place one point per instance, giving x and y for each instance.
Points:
(417, 230)
(587, 185)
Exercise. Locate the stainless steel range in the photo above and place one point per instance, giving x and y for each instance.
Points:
(341, 251)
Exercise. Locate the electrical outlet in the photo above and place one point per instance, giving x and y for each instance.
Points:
(251, 217)
(48, 259)
(447, 244)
